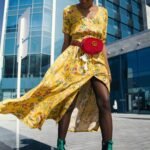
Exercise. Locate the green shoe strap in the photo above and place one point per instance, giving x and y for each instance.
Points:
(109, 144)
(60, 144)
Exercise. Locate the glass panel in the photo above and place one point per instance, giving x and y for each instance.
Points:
(132, 62)
(125, 16)
(36, 21)
(9, 46)
(48, 3)
(11, 22)
(112, 9)
(125, 30)
(46, 45)
(8, 66)
(25, 2)
(143, 63)
(47, 20)
(136, 22)
(135, 7)
(113, 27)
(45, 63)
(35, 45)
(111, 39)
(13, 3)
(34, 65)
(124, 3)
(38, 1)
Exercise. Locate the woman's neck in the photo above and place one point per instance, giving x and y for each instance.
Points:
(86, 7)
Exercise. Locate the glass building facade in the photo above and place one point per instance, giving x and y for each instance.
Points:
(131, 81)
(125, 18)
(37, 61)
(35, 64)
(38, 58)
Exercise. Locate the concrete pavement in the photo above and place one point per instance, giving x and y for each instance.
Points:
(130, 132)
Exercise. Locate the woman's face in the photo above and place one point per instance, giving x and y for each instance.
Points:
(86, 3)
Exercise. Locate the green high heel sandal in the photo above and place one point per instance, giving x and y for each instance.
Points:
(61, 144)
(107, 145)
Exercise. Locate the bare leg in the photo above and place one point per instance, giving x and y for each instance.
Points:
(64, 122)
(103, 103)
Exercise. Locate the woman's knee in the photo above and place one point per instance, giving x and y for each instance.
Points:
(103, 104)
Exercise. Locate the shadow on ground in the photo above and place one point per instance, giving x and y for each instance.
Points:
(8, 142)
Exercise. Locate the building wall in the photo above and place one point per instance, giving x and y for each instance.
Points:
(131, 80)
(130, 68)
(125, 18)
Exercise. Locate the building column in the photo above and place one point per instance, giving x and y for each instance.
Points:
(2, 44)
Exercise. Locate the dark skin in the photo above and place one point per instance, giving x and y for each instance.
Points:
(100, 90)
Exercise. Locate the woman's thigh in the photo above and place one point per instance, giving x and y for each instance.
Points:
(101, 93)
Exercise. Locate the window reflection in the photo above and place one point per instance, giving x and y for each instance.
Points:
(126, 30)
(136, 22)
(45, 63)
(25, 2)
(11, 22)
(36, 21)
(13, 3)
(9, 65)
(46, 45)
(35, 45)
(9, 46)
(34, 65)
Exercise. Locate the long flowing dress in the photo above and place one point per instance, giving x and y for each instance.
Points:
(68, 76)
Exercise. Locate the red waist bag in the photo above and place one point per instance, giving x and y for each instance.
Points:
(92, 45)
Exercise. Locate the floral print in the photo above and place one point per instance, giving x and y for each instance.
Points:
(66, 78)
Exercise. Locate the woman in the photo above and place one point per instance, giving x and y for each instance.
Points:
(76, 80)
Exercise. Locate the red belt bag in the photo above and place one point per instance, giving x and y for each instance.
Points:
(90, 45)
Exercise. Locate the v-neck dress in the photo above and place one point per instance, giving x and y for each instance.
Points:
(68, 76)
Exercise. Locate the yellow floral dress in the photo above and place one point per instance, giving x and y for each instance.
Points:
(69, 74)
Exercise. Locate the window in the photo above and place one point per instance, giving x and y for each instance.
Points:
(9, 46)
(46, 45)
(124, 3)
(13, 3)
(125, 30)
(111, 39)
(38, 1)
(136, 22)
(45, 63)
(25, 2)
(113, 27)
(8, 63)
(132, 58)
(35, 65)
(135, 7)
(11, 22)
(47, 20)
(143, 63)
(125, 16)
(112, 9)
(36, 21)
(35, 45)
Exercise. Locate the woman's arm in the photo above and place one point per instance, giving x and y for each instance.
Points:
(106, 60)
(66, 43)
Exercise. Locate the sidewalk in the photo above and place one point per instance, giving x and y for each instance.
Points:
(130, 132)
